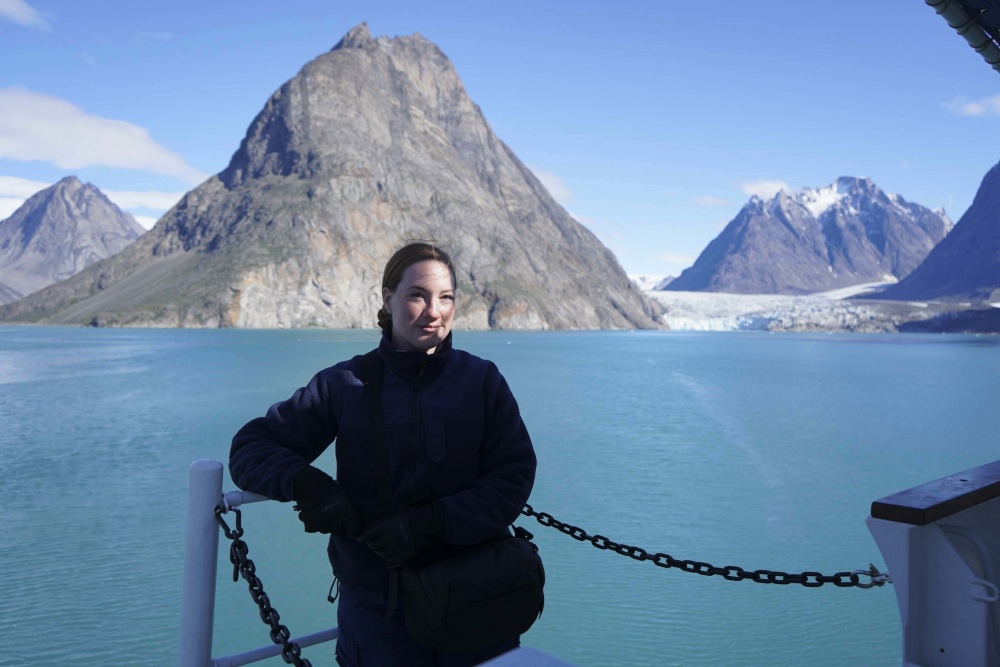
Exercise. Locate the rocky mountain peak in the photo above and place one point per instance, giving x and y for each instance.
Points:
(357, 37)
(855, 184)
(306, 124)
(862, 192)
(57, 233)
(69, 184)
(371, 143)
(817, 239)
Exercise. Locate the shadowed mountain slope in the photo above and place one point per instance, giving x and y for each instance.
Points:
(965, 266)
(816, 240)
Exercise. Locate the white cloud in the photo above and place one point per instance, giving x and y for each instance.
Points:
(708, 201)
(14, 191)
(13, 186)
(555, 185)
(764, 189)
(146, 221)
(158, 201)
(961, 106)
(8, 205)
(34, 126)
(21, 12)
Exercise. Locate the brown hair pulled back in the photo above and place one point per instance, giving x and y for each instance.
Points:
(404, 258)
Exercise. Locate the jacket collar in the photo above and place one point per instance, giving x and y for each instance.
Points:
(412, 364)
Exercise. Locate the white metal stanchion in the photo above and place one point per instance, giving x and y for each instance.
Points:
(201, 552)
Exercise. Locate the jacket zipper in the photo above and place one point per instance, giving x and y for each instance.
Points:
(414, 428)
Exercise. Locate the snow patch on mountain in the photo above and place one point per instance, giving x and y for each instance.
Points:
(818, 201)
(855, 290)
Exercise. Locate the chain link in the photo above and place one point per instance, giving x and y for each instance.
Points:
(729, 572)
(291, 653)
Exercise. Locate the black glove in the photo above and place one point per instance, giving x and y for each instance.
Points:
(321, 506)
(404, 534)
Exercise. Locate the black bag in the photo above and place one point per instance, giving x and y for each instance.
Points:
(471, 597)
(477, 597)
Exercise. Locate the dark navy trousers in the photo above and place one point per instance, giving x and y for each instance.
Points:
(368, 639)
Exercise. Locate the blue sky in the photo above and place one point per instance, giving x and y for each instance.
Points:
(651, 122)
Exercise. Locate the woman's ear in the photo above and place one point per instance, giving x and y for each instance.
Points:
(387, 299)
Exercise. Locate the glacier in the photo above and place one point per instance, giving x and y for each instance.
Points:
(827, 312)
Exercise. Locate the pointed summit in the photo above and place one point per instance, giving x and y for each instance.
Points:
(57, 233)
(68, 184)
(815, 240)
(362, 149)
(356, 38)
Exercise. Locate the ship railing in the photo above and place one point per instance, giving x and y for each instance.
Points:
(201, 553)
(941, 544)
(201, 557)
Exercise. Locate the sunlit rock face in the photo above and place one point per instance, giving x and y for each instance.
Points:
(371, 144)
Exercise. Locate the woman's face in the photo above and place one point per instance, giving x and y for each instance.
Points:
(422, 306)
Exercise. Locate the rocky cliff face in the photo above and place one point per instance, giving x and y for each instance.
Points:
(56, 234)
(370, 144)
(965, 266)
(816, 240)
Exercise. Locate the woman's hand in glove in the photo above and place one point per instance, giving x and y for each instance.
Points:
(321, 506)
(404, 534)
(336, 516)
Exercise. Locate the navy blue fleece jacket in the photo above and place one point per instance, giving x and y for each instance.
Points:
(454, 434)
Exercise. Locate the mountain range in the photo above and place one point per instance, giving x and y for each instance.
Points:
(57, 233)
(376, 142)
(370, 144)
(816, 240)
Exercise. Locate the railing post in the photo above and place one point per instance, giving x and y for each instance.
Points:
(201, 554)
(941, 544)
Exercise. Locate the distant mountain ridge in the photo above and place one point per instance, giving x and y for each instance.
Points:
(816, 240)
(57, 233)
(965, 266)
(369, 144)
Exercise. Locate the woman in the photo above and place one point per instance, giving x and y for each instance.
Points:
(461, 462)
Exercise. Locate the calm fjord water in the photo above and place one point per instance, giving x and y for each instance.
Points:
(756, 450)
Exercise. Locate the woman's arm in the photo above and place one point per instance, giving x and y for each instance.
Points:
(269, 451)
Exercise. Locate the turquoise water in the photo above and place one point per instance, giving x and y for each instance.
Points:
(755, 450)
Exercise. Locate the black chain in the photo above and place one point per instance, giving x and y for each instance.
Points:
(730, 572)
(291, 653)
